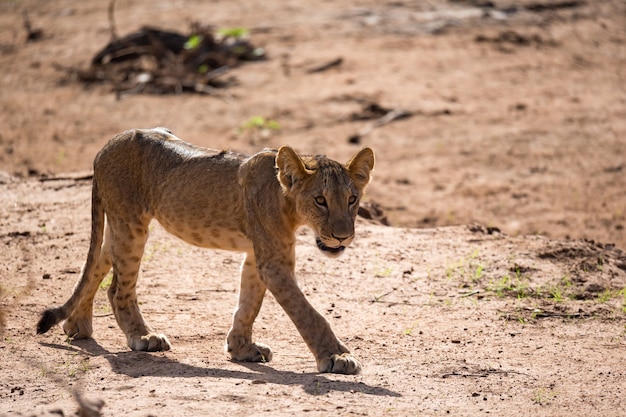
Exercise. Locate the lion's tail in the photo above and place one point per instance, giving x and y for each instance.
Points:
(55, 315)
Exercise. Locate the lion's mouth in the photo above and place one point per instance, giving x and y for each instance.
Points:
(322, 246)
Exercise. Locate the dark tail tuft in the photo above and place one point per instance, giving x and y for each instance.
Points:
(49, 318)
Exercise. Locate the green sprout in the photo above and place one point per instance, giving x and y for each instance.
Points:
(258, 127)
(106, 282)
(236, 32)
(193, 42)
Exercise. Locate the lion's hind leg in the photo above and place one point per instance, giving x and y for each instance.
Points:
(128, 242)
(78, 324)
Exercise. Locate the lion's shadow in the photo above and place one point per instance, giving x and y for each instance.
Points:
(139, 364)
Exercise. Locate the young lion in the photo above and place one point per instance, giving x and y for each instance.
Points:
(216, 199)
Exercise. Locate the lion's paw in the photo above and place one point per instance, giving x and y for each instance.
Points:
(344, 363)
(78, 328)
(251, 352)
(152, 342)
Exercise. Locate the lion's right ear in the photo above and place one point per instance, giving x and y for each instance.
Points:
(291, 169)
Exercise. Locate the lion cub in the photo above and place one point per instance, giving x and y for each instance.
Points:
(216, 199)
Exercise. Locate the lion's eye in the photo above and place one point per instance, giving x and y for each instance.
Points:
(320, 201)
(352, 200)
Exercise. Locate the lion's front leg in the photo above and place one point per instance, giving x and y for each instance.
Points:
(239, 341)
(330, 354)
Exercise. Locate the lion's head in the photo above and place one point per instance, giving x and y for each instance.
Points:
(326, 193)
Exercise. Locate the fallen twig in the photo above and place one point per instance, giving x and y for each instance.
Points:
(391, 116)
(326, 66)
(378, 298)
(549, 314)
(482, 374)
(112, 20)
(469, 294)
(79, 176)
(540, 314)
(448, 375)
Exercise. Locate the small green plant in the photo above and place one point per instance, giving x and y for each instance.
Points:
(106, 282)
(544, 396)
(153, 249)
(605, 296)
(508, 286)
(557, 293)
(258, 127)
(478, 272)
(385, 272)
(456, 270)
(409, 330)
(60, 157)
(600, 264)
(193, 42)
(103, 309)
(260, 122)
(73, 369)
(236, 33)
(535, 313)
(467, 269)
(449, 272)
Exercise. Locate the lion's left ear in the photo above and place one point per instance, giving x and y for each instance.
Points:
(360, 167)
(290, 167)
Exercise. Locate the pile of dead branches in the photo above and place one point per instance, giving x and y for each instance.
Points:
(155, 61)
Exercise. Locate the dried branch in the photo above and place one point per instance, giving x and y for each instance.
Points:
(111, 16)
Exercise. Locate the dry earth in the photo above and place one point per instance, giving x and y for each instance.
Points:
(518, 123)
(451, 320)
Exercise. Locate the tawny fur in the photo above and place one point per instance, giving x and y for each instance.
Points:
(216, 199)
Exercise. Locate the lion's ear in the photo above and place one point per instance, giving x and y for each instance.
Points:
(360, 167)
(291, 169)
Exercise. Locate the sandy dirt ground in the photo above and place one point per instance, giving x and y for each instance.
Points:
(500, 289)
